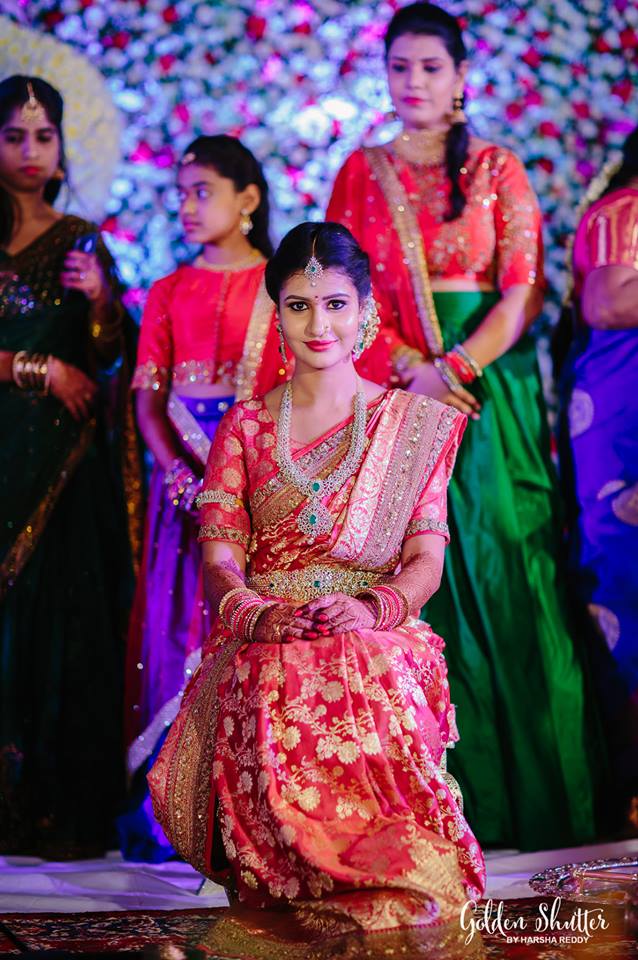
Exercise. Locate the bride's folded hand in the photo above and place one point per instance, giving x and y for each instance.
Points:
(280, 624)
(336, 613)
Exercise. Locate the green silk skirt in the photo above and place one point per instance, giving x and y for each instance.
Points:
(516, 674)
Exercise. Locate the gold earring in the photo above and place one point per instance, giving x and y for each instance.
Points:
(368, 327)
(245, 223)
(282, 344)
(59, 174)
(458, 113)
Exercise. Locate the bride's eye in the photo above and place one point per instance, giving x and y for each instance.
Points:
(336, 304)
(297, 306)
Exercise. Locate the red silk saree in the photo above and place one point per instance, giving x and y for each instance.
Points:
(324, 762)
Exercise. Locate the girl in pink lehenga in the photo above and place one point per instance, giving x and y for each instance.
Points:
(306, 767)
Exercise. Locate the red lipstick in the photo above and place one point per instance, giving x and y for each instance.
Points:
(413, 101)
(30, 171)
(319, 345)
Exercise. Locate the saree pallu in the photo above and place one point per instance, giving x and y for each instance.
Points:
(169, 624)
(502, 608)
(599, 462)
(66, 573)
(319, 765)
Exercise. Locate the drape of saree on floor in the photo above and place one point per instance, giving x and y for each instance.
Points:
(323, 759)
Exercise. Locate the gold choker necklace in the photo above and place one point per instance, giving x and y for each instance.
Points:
(426, 147)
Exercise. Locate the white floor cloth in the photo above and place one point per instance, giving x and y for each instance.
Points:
(29, 885)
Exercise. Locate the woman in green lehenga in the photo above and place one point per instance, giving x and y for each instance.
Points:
(65, 562)
(455, 226)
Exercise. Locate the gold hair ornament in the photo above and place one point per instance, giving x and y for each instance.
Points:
(32, 111)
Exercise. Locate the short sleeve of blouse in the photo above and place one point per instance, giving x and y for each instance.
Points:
(223, 502)
(518, 225)
(430, 512)
(612, 233)
(155, 348)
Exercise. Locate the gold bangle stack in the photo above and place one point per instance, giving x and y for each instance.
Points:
(391, 605)
(31, 371)
(240, 609)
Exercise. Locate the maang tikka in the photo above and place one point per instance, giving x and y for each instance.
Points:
(32, 111)
(313, 271)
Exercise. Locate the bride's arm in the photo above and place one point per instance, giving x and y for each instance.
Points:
(421, 570)
(224, 569)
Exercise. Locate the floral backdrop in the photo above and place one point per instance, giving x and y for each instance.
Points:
(303, 82)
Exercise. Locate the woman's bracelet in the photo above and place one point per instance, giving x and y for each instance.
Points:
(464, 366)
(447, 374)
(391, 606)
(240, 609)
(31, 371)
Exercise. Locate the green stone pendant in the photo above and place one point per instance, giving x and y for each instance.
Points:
(314, 520)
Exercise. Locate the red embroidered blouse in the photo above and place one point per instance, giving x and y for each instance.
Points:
(497, 240)
(199, 325)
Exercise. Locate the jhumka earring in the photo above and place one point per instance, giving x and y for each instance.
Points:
(282, 344)
(313, 270)
(458, 113)
(245, 223)
(368, 327)
(32, 111)
(359, 346)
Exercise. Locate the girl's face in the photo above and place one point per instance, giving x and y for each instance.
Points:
(423, 81)
(210, 207)
(320, 322)
(29, 153)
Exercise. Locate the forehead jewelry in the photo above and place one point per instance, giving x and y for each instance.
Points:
(187, 158)
(313, 270)
(32, 111)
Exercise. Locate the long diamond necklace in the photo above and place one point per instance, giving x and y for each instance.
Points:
(315, 520)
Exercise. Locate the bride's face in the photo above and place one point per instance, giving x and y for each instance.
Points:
(320, 319)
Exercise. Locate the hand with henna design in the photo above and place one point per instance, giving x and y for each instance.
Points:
(282, 624)
(338, 613)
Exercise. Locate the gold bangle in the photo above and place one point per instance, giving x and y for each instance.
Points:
(226, 598)
(31, 371)
(17, 368)
(251, 625)
(229, 596)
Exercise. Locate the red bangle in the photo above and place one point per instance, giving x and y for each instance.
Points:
(460, 366)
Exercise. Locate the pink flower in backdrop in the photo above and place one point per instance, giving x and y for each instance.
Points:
(548, 78)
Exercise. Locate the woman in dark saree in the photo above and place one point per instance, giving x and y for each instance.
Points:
(65, 560)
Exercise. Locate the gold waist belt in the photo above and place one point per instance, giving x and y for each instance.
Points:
(312, 582)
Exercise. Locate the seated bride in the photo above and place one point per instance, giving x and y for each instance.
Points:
(307, 764)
